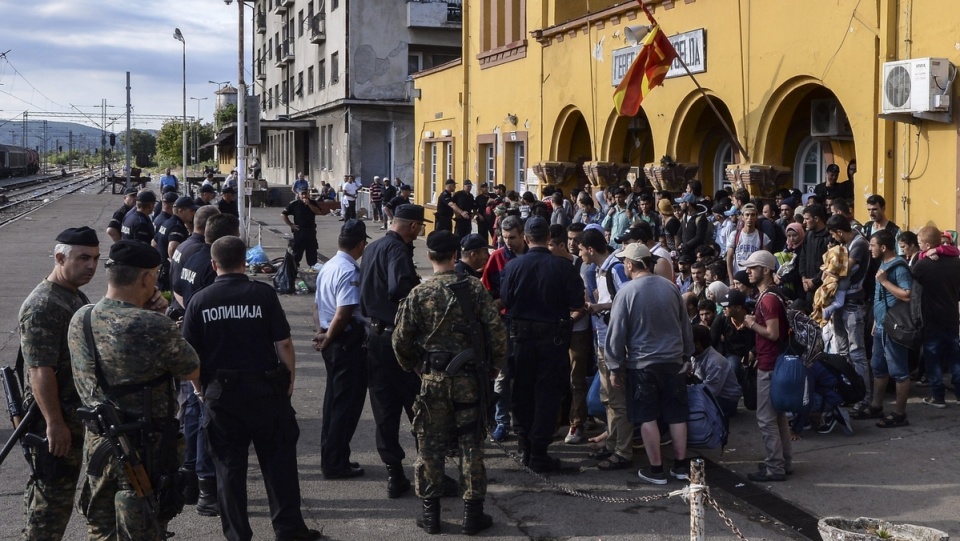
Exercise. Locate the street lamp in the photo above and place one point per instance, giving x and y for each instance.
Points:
(196, 132)
(179, 37)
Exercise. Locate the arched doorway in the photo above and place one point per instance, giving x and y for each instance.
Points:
(572, 142)
(698, 137)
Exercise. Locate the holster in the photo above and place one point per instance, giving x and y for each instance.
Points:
(270, 383)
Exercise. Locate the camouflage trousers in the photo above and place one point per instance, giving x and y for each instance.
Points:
(446, 406)
(48, 497)
(112, 508)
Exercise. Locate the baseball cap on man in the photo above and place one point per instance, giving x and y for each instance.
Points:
(206, 188)
(634, 252)
(354, 229)
(130, 191)
(185, 202)
(629, 234)
(687, 198)
(536, 226)
(146, 196)
(473, 241)
(410, 212)
(761, 258)
(734, 297)
(170, 197)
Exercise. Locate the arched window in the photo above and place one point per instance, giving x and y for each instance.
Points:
(725, 156)
(808, 170)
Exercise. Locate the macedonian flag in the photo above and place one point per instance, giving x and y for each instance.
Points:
(647, 71)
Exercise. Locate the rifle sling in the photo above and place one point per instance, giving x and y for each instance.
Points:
(115, 391)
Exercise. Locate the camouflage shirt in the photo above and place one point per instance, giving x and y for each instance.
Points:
(44, 318)
(136, 346)
(428, 314)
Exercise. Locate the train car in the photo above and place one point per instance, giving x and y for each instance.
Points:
(18, 161)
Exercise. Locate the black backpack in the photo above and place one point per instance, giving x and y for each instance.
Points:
(849, 383)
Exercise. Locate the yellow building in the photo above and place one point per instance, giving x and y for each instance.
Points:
(800, 84)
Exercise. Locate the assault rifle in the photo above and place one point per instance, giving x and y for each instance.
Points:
(480, 356)
(103, 420)
(22, 421)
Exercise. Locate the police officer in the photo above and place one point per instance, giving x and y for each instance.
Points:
(539, 290)
(163, 211)
(187, 248)
(445, 204)
(304, 226)
(206, 195)
(121, 348)
(475, 252)
(401, 198)
(247, 375)
(430, 334)
(171, 233)
(463, 206)
(44, 318)
(387, 274)
(340, 336)
(116, 221)
(228, 201)
(138, 225)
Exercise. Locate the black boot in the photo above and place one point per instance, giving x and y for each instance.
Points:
(474, 521)
(191, 489)
(397, 482)
(430, 519)
(207, 505)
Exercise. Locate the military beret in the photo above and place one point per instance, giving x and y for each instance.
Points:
(206, 188)
(130, 191)
(170, 197)
(133, 253)
(146, 196)
(410, 212)
(78, 236)
(354, 229)
(536, 226)
(185, 202)
(442, 242)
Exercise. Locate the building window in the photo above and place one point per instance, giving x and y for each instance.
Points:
(270, 49)
(519, 164)
(334, 4)
(449, 169)
(310, 80)
(323, 147)
(502, 22)
(302, 23)
(322, 74)
(726, 155)
(330, 146)
(299, 88)
(269, 98)
(414, 63)
(809, 166)
(285, 92)
(488, 165)
(433, 170)
(334, 68)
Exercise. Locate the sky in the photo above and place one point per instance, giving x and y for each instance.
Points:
(66, 55)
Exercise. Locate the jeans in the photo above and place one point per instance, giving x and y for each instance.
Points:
(773, 428)
(939, 346)
(501, 386)
(889, 358)
(848, 340)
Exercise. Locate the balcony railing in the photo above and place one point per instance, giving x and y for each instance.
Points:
(262, 68)
(434, 13)
(318, 29)
(261, 23)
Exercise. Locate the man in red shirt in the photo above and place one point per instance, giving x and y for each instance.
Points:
(769, 324)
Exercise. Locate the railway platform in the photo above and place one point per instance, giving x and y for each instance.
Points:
(904, 475)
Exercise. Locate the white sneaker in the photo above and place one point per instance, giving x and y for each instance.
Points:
(574, 436)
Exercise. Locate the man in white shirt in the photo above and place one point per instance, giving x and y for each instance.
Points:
(348, 197)
(743, 242)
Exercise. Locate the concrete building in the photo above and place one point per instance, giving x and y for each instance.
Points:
(801, 85)
(332, 81)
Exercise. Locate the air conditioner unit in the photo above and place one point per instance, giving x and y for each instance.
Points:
(920, 85)
(827, 119)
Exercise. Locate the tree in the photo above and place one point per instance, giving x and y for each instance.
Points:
(170, 143)
(227, 114)
(141, 143)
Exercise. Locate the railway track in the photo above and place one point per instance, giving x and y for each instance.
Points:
(21, 202)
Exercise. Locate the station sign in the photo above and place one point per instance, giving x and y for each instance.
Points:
(691, 47)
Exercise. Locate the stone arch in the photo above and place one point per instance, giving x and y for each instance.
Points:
(627, 140)
(696, 135)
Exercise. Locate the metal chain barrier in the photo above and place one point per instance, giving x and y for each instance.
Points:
(723, 516)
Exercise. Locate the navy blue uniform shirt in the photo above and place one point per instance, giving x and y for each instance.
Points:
(540, 286)
(387, 274)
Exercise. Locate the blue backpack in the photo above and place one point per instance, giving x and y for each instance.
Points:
(707, 426)
(788, 382)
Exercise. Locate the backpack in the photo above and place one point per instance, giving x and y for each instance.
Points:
(778, 240)
(849, 383)
(904, 320)
(707, 426)
(788, 382)
(806, 336)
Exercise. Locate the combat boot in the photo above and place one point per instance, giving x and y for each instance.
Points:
(190, 486)
(397, 482)
(207, 505)
(474, 521)
(430, 519)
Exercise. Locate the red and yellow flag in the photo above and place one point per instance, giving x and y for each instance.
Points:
(647, 71)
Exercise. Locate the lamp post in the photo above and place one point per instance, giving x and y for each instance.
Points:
(196, 133)
(179, 37)
(242, 192)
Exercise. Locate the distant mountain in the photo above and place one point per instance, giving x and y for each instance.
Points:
(11, 132)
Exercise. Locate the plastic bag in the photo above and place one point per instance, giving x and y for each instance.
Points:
(285, 279)
(788, 382)
(594, 405)
(256, 255)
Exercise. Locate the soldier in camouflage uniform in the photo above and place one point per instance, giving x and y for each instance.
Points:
(428, 335)
(44, 318)
(140, 349)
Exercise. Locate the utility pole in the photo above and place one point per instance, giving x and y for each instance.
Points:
(44, 146)
(127, 146)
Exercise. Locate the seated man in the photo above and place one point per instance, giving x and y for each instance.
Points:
(714, 371)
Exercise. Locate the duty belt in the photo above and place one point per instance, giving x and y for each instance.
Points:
(380, 327)
(450, 363)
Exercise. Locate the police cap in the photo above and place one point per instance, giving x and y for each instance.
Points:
(170, 197)
(473, 241)
(206, 188)
(354, 229)
(146, 196)
(228, 189)
(185, 202)
(536, 226)
(443, 242)
(168, 189)
(133, 253)
(410, 212)
(130, 191)
(78, 236)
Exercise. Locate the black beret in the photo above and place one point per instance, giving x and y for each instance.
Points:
(146, 196)
(410, 212)
(354, 229)
(206, 188)
(133, 253)
(78, 236)
(443, 242)
(170, 197)
(130, 191)
(536, 225)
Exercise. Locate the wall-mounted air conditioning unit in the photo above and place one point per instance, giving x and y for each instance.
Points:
(919, 85)
(827, 119)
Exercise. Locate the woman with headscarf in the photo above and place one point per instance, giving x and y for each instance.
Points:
(788, 276)
(716, 291)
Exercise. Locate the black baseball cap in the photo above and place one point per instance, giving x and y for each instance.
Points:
(536, 225)
(354, 229)
(130, 191)
(410, 212)
(629, 234)
(170, 197)
(185, 202)
(473, 241)
(146, 196)
(206, 188)
(734, 297)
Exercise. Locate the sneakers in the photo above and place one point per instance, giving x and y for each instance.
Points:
(827, 426)
(653, 478)
(680, 472)
(499, 433)
(765, 476)
(574, 436)
(842, 418)
(939, 404)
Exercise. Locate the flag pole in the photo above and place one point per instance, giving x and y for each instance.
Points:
(726, 127)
